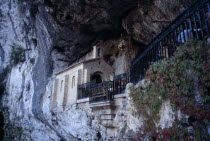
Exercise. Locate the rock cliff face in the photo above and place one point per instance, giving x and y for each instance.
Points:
(39, 37)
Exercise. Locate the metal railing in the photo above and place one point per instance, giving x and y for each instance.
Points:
(120, 82)
(192, 23)
(104, 91)
(83, 89)
(101, 92)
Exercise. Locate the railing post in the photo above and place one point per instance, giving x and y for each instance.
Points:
(208, 22)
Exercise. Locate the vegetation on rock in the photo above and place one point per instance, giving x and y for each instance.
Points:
(184, 79)
(13, 129)
(17, 55)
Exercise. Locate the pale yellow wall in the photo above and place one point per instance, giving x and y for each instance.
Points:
(95, 52)
(66, 89)
(70, 92)
(99, 66)
(55, 93)
(60, 91)
(85, 78)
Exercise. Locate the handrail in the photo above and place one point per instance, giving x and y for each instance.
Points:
(101, 92)
(120, 82)
(177, 20)
(104, 91)
(183, 26)
(87, 84)
(83, 89)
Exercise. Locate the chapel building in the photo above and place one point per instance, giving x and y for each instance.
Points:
(93, 69)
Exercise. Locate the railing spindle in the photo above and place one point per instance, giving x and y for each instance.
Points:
(205, 22)
(200, 23)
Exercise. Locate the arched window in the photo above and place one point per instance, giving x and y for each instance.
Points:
(73, 82)
(61, 87)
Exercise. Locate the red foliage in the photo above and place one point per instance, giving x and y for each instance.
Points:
(208, 116)
(199, 116)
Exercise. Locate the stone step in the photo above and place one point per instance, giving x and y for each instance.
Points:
(107, 116)
(108, 123)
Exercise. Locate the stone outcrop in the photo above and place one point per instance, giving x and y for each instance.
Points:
(39, 37)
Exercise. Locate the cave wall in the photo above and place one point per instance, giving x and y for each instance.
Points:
(40, 37)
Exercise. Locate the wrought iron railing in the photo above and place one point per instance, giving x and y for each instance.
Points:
(102, 92)
(83, 89)
(120, 82)
(192, 23)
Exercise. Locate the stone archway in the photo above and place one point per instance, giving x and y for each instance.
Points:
(97, 76)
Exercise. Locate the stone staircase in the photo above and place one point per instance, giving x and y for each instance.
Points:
(105, 112)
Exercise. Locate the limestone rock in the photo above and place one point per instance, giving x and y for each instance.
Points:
(51, 35)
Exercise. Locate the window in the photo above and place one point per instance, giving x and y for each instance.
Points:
(73, 81)
(99, 52)
(61, 87)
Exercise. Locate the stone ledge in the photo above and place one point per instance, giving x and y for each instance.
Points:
(107, 116)
(102, 104)
(120, 95)
(82, 100)
(108, 123)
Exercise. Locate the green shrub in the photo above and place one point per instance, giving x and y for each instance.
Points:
(17, 55)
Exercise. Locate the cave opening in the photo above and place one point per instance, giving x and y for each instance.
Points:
(1, 126)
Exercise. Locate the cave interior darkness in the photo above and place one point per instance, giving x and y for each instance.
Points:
(1, 126)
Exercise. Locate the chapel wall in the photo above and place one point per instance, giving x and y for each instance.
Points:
(67, 82)
(99, 66)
